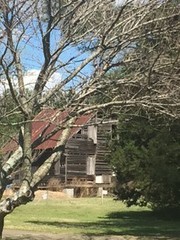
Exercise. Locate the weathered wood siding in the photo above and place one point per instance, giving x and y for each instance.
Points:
(84, 157)
(102, 165)
(77, 151)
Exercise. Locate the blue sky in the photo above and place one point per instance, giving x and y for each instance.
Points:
(32, 56)
(30, 49)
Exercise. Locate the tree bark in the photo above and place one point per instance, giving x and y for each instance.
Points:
(2, 215)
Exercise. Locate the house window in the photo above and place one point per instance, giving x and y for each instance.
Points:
(92, 133)
(79, 132)
(90, 170)
(57, 168)
(59, 164)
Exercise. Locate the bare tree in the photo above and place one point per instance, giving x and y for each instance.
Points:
(81, 42)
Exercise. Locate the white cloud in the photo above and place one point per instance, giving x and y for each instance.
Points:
(122, 2)
(31, 76)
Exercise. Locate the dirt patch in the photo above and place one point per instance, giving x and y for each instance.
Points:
(10, 234)
(29, 235)
(41, 195)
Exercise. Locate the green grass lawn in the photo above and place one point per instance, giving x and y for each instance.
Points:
(91, 217)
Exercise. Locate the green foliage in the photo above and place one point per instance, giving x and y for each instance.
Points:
(10, 117)
(146, 161)
(61, 98)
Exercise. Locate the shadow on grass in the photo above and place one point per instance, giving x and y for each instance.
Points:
(136, 223)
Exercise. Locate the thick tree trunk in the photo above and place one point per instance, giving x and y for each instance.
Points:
(2, 215)
(8, 205)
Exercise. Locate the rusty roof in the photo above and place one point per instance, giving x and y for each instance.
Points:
(46, 122)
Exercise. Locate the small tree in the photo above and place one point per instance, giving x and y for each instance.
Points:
(78, 41)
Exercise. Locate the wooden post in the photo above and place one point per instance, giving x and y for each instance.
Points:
(65, 170)
(102, 196)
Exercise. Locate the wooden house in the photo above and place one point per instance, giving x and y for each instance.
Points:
(84, 160)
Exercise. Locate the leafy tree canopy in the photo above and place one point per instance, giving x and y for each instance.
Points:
(145, 158)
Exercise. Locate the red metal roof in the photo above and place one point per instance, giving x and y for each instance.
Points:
(10, 146)
(44, 123)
